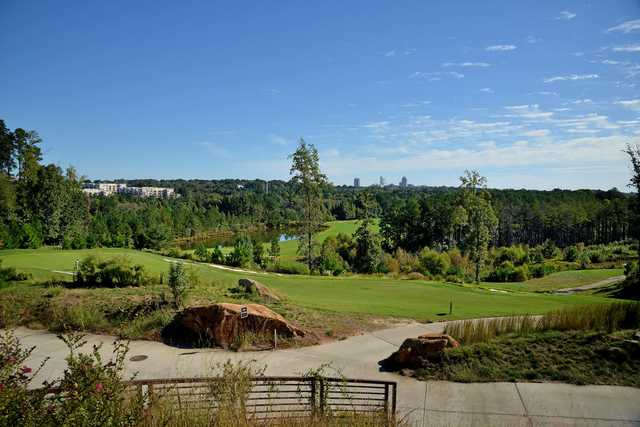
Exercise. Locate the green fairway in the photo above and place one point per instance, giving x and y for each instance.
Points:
(379, 296)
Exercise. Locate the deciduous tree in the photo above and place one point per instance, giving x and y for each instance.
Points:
(481, 219)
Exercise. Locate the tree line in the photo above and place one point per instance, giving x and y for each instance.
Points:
(41, 204)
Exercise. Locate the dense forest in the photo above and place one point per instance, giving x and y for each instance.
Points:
(44, 205)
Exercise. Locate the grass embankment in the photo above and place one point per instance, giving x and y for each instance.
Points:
(597, 344)
(576, 357)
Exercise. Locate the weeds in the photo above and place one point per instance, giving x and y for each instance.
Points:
(147, 326)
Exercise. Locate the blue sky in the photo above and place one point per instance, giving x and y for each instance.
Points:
(534, 94)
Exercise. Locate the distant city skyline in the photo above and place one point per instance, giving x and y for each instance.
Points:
(537, 95)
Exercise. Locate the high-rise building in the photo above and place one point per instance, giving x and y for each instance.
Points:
(382, 183)
(356, 182)
(403, 182)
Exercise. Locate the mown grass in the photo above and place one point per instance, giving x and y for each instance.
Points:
(576, 357)
(417, 299)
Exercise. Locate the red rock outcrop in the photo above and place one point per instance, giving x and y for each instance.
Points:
(413, 350)
(221, 325)
(254, 287)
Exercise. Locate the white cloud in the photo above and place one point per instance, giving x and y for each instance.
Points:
(466, 64)
(415, 104)
(626, 27)
(565, 15)
(435, 76)
(486, 90)
(529, 112)
(632, 104)
(611, 62)
(390, 53)
(572, 77)
(376, 125)
(538, 133)
(627, 48)
(500, 48)
(582, 101)
(582, 152)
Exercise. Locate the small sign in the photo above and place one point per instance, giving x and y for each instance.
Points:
(244, 313)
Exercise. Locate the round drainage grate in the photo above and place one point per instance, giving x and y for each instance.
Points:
(138, 358)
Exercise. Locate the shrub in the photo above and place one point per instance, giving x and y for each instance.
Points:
(550, 250)
(259, 254)
(18, 405)
(571, 253)
(177, 283)
(515, 254)
(390, 264)
(631, 269)
(201, 252)
(242, 254)
(434, 263)
(584, 260)
(535, 255)
(112, 273)
(217, 257)
(90, 393)
(408, 262)
(507, 272)
(596, 255)
(541, 270)
(415, 276)
(9, 274)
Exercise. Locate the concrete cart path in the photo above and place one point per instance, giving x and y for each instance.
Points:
(431, 403)
(599, 284)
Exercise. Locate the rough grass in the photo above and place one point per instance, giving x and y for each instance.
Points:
(559, 280)
(576, 357)
(605, 317)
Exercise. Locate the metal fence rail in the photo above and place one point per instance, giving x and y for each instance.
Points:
(276, 396)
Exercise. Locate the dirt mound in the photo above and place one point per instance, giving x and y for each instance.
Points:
(414, 350)
(222, 325)
(253, 287)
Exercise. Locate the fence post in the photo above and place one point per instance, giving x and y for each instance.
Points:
(312, 398)
(322, 396)
(386, 400)
(393, 400)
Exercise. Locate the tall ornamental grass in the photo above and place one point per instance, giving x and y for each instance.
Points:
(601, 317)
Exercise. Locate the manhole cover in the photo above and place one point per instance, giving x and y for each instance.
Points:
(138, 358)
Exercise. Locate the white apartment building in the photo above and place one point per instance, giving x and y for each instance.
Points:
(109, 189)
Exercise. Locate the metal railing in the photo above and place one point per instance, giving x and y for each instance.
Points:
(276, 396)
